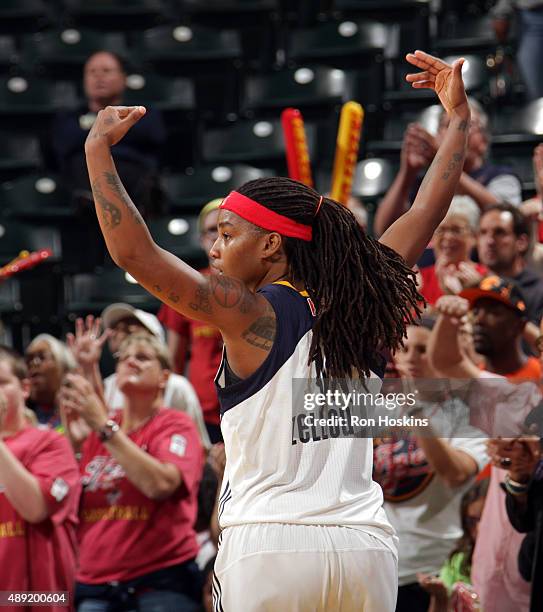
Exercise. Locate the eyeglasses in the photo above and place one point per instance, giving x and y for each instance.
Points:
(453, 231)
(38, 358)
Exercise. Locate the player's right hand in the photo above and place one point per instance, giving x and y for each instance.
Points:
(112, 123)
(452, 306)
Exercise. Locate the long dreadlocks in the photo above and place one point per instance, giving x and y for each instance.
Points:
(364, 293)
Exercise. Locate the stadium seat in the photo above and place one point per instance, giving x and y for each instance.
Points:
(212, 57)
(373, 177)
(165, 94)
(29, 100)
(365, 85)
(251, 142)
(64, 52)
(521, 124)
(258, 22)
(188, 48)
(36, 196)
(18, 16)
(91, 293)
(190, 191)
(19, 153)
(339, 44)
(117, 14)
(395, 124)
(16, 237)
(179, 235)
(319, 88)
(365, 6)
(458, 34)
(9, 56)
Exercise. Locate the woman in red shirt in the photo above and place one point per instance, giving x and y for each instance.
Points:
(39, 493)
(453, 242)
(140, 475)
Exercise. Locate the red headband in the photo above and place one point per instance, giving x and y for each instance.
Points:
(264, 217)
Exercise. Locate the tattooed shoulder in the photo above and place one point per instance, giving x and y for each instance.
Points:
(261, 332)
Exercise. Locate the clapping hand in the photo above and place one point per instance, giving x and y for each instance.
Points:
(418, 148)
(517, 455)
(77, 398)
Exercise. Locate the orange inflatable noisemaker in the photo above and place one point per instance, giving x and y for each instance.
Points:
(347, 143)
(298, 162)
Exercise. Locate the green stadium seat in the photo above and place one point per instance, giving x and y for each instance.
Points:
(252, 142)
(16, 237)
(36, 196)
(117, 14)
(179, 235)
(165, 94)
(459, 34)
(258, 23)
(27, 101)
(189, 48)
(211, 56)
(305, 88)
(340, 44)
(190, 191)
(18, 16)
(9, 57)
(20, 153)
(64, 52)
(91, 293)
(373, 177)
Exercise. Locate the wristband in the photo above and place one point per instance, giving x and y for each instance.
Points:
(108, 430)
(514, 487)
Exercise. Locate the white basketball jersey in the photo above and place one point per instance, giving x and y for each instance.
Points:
(269, 475)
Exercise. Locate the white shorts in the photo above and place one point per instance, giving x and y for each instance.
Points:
(272, 567)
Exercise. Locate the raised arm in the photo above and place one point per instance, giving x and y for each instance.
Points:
(222, 301)
(444, 351)
(412, 232)
(418, 149)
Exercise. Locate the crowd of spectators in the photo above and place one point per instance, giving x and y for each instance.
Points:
(109, 486)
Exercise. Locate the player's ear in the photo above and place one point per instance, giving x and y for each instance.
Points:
(272, 245)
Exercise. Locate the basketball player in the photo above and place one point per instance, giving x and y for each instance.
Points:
(301, 292)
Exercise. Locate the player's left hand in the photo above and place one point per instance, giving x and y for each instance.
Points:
(113, 122)
(444, 79)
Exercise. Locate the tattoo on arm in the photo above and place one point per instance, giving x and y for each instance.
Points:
(201, 299)
(111, 214)
(173, 297)
(452, 165)
(118, 189)
(225, 292)
(463, 126)
(261, 333)
(157, 288)
(229, 293)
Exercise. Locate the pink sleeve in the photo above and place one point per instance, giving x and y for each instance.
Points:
(177, 441)
(56, 470)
